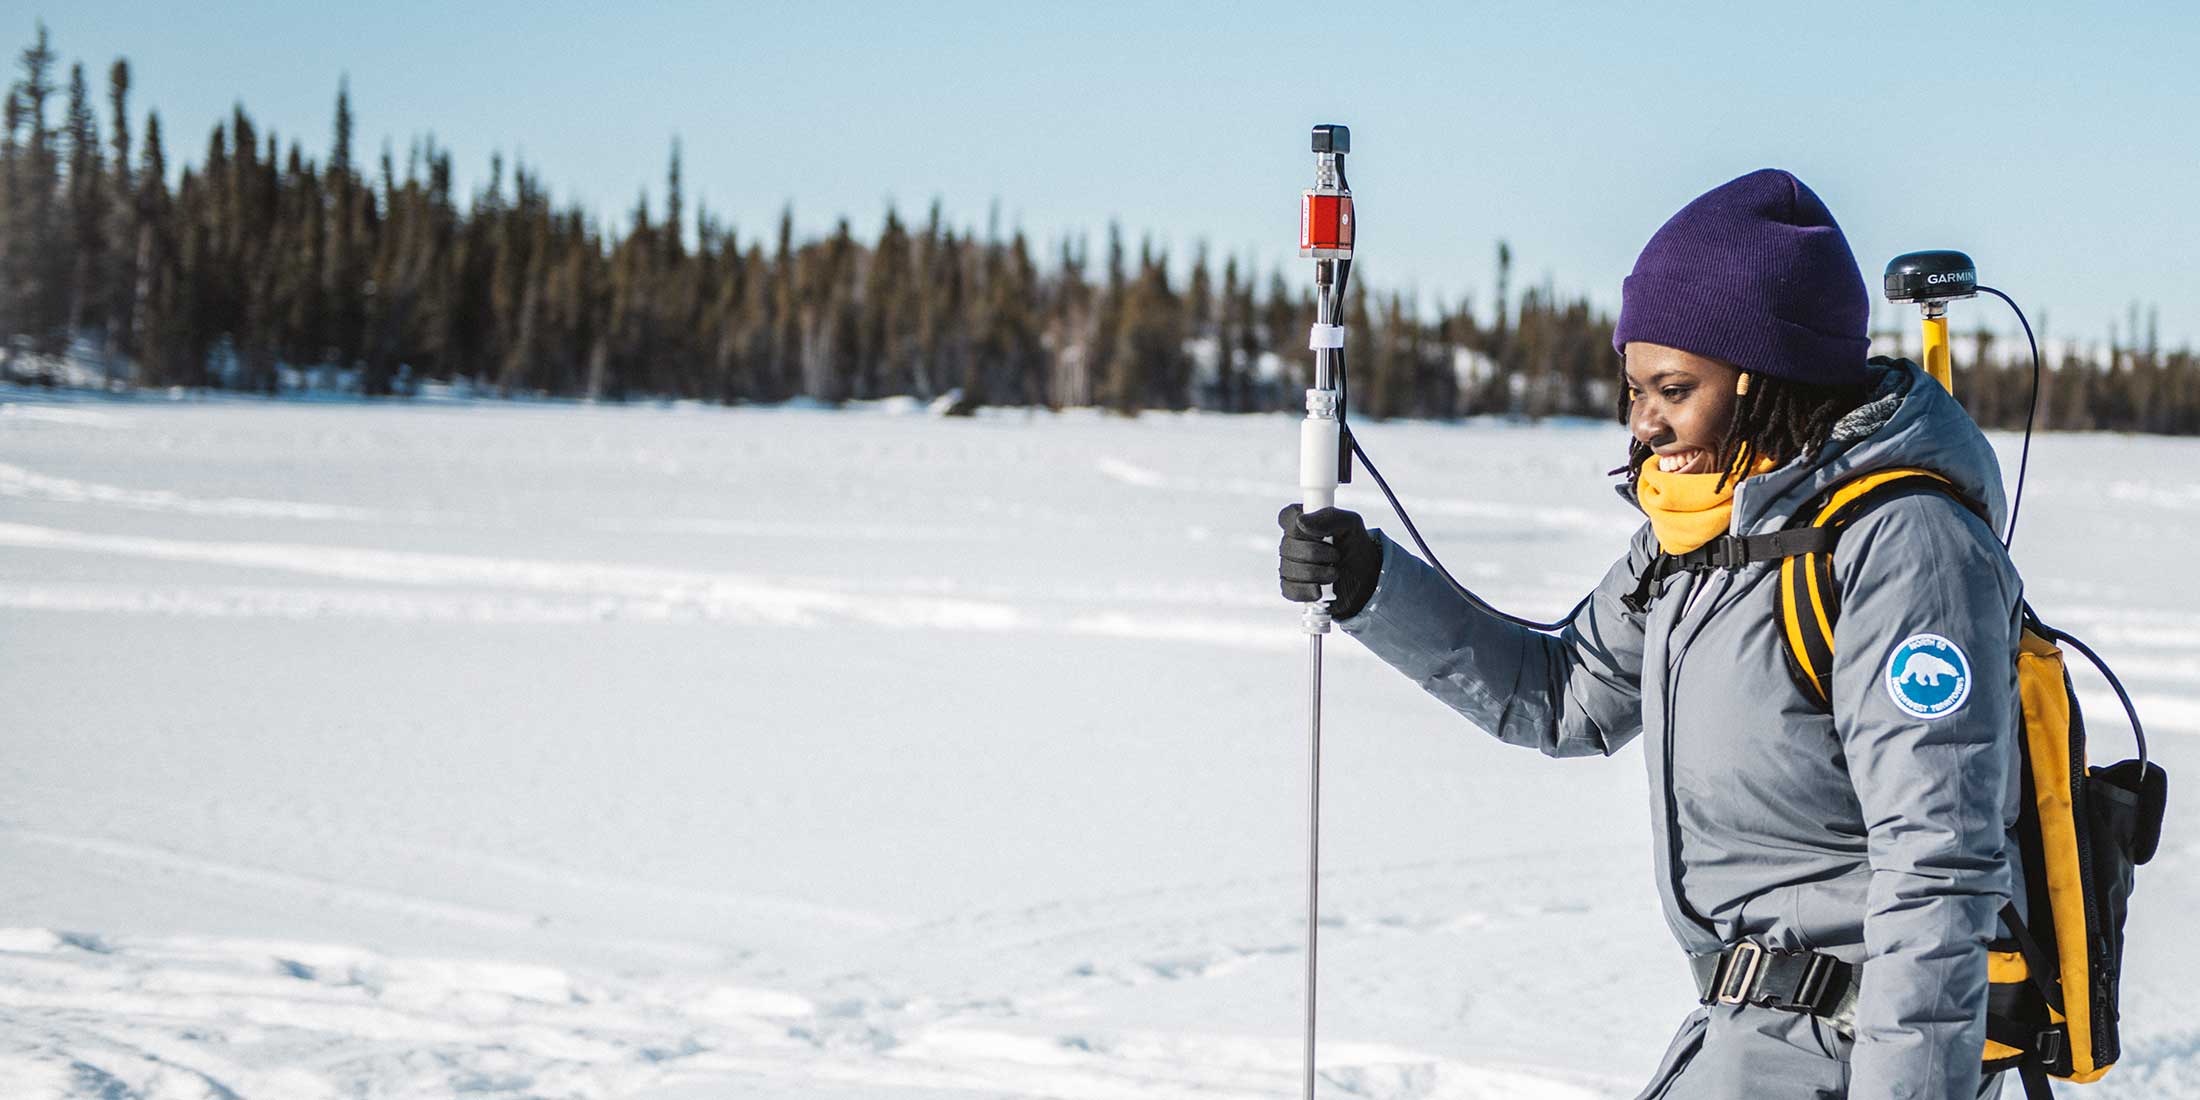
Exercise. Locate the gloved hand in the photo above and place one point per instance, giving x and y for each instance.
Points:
(1352, 562)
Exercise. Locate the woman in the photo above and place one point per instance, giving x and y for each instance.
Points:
(1873, 834)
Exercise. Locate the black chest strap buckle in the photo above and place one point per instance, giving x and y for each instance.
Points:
(1725, 552)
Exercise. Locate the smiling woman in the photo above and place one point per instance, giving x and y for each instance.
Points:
(1832, 863)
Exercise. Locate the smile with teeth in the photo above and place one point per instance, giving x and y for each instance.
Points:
(1680, 462)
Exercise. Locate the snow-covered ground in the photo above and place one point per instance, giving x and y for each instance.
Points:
(562, 751)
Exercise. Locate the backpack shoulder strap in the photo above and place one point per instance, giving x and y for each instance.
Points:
(1809, 603)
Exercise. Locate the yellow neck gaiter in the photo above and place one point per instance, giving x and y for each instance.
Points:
(1688, 510)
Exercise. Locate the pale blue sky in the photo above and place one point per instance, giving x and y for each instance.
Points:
(2063, 153)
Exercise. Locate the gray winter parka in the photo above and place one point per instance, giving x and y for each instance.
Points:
(1877, 833)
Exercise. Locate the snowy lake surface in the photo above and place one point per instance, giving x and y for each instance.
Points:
(412, 750)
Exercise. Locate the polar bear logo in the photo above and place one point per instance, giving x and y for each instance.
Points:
(1927, 676)
(1924, 668)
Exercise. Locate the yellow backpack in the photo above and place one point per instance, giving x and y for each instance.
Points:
(2052, 999)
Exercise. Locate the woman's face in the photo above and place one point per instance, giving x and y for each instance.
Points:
(1679, 404)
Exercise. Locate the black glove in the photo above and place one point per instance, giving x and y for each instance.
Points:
(1352, 562)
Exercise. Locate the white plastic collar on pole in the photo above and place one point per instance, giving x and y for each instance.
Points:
(1324, 337)
(1319, 443)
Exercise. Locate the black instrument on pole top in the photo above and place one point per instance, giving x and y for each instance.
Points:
(1938, 275)
(1325, 210)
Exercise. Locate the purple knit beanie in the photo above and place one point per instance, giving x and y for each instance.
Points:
(1755, 273)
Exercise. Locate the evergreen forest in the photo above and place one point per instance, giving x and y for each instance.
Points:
(265, 267)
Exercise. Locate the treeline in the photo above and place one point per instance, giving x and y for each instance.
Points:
(261, 267)
(2133, 386)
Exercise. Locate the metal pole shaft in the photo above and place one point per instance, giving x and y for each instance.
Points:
(1325, 235)
(1313, 843)
(1318, 489)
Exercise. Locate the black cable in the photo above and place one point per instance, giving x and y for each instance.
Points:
(2131, 711)
(2025, 458)
(1336, 317)
(1344, 391)
(2138, 732)
(1430, 555)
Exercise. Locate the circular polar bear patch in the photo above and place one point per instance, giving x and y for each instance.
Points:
(1928, 677)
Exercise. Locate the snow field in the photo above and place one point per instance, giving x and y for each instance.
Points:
(672, 752)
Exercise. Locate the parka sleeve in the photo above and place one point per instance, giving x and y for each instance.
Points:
(1576, 693)
(1924, 701)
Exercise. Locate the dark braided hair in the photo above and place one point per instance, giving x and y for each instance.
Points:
(1777, 419)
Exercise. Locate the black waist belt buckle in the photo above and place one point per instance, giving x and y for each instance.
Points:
(1790, 981)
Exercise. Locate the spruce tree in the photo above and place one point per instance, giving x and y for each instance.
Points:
(1149, 366)
(297, 260)
(950, 334)
(988, 347)
(1107, 332)
(1069, 331)
(11, 212)
(1377, 393)
(1123, 387)
(1244, 395)
(782, 367)
(679, 315)
(755, 327)
(120, 276)
(155, 342)
(829, 324)
(87, 209)
(523, 353)
(1228, 325)
(1019, 324)
(38, 261)
(1497, 389)
(345, 244)
(1284, 321)
(932, 267)
(728, 284)
(669, 240)
(1199, 322)
(882, 358)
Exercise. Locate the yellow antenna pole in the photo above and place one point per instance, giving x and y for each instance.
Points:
(1936, 344)
(1932, 280)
